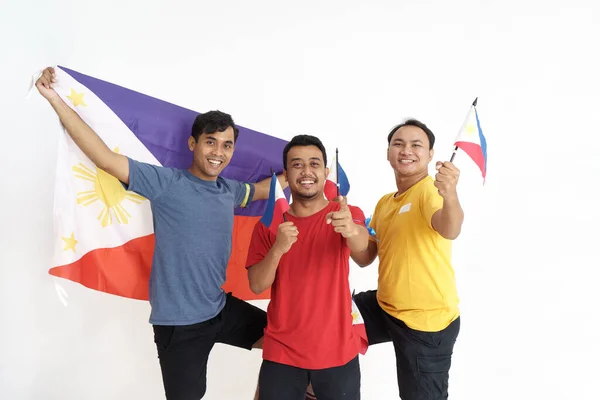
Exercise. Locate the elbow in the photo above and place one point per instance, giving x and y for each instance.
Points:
(363, 261)
(255, 286)
(452, 235)
(256, 289)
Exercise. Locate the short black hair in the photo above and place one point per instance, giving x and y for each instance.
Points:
(304, 140)
(418, 124)
(213, 121)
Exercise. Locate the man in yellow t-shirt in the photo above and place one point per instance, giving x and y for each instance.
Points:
(416, 304)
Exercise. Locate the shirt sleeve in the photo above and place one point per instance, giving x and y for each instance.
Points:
(148, 180)
(243, 192)
(357, 215)
(373, 222)
(261, 242)
(431, 201)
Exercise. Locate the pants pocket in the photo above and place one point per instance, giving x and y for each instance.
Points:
(163, 336)
(433, 376)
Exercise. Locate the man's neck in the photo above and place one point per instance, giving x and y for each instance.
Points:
(200, 175)
(403, 183)
(307, 207)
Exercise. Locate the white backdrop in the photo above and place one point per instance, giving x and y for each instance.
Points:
(345, 71)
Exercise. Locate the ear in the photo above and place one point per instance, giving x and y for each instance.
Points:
(191, 143)
(326, 172)
(387, 154)
(285, 174)
(431, 152)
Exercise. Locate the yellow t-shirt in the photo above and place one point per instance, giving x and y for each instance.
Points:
(416, 278)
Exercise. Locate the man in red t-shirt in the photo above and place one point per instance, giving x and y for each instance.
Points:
(309, 336)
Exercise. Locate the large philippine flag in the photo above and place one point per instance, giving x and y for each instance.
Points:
(103, 234)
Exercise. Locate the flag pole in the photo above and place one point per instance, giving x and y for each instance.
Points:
(337, 171)
(456, 147)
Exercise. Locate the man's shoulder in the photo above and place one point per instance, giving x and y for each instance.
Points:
(230, 184)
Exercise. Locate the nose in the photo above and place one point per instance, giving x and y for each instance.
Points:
(305, 171)
(405, 151)
(218, 151)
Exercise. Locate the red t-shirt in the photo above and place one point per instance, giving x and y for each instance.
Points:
(309, 318)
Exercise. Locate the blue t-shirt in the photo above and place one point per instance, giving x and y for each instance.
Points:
(193, 224)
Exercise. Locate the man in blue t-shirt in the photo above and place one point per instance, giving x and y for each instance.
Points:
(193, 223)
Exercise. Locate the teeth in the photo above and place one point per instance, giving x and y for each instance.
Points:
(406, 161)
(215, 162)
(306, 182)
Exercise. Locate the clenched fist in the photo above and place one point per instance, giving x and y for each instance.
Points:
(44, 84)
(287, 235)
(446, 179)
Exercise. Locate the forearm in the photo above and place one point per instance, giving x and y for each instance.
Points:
(367, 256)
(89, 142)
(262, 274)
(360, 241)
(448, 221)
(262, 188)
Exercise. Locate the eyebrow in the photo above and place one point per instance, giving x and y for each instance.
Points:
(300, 159)
(216, 140)
(414, 141)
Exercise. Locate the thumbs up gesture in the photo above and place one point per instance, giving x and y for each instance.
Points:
(342, 220)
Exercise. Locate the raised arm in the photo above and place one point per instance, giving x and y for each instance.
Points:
(84, 137)
(448, 220)
(262, 188)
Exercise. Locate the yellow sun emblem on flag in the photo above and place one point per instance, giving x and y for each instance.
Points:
(354, 316)
(109, 191)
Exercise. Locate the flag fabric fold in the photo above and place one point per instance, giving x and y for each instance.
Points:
(104, 236)
(359, 328)
(333, 180)
(471, 140)
(277, 206)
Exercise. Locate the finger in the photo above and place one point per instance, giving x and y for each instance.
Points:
(289, 229)
(286, 223)
(329, 217)
(450, 166)
(341, 222)
(438, 165)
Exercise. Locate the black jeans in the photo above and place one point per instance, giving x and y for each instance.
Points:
(284, 382)
(423, 359)
(183, 350)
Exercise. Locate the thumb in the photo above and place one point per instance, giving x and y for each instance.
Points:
(438, 165)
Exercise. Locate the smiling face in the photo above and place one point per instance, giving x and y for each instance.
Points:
(306, 172)
(212, 153)
(408, 152)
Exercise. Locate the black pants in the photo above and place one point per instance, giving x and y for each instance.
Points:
(284, 382)
(423, 359)
(183, 350)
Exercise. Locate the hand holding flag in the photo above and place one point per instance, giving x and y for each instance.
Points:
(446, 179)
(287, 235)
(341, 220)
(44, 84)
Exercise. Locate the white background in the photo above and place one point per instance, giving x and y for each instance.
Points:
(346, 71)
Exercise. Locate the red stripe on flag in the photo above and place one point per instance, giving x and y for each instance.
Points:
(474, 151)
(237, 274)
(330, 189)
(125, 270)
(122, 271)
